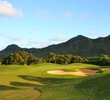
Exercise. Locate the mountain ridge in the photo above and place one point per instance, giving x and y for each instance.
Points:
(79, 45)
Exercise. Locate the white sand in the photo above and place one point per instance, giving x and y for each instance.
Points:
(61, 72)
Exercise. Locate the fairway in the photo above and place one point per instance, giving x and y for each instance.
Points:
(34, 83)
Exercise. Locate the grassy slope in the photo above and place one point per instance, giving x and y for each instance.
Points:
(21, 82)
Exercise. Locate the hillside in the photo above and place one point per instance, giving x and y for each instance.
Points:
(79, 45)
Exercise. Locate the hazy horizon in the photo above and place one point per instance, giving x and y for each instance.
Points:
(48, 45)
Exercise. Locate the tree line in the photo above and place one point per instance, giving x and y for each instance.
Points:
(25, 58)
(20, 58)
(102, 60)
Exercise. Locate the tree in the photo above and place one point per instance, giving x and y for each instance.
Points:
(31, 59)
(50, 57)
(68, 58)
(22, 58)
(39, 60)
(64, 59)
(60, 59)
(1, 61)
(104, 60)
(76, 59)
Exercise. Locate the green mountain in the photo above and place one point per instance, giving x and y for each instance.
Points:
(79, 45)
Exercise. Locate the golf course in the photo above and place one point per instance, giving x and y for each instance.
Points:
(48, 81)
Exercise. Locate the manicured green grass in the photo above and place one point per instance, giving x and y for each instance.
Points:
(34, 83)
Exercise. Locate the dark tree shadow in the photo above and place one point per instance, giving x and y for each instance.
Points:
(35, 86)
(4, 87)
(46, 82)
(42, 80)
(23, 84)
(100, 87)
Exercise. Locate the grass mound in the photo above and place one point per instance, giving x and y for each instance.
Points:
(34, 83)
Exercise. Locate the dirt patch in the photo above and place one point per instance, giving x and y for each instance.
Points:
(105, 68)
(79, 72)
(89, 71)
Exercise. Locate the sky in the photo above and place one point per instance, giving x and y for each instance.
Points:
(40, 23)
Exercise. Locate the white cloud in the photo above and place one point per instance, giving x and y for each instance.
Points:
(41, 44)
(37, 44)
(43, 14)
(44, 44)
(84, 15)
(36, 28)
(7, 9)
(55, 40)
(15, 38)
(92, 32)
(31, 42)
(11, 38)
(2, 35)
(67, 14)
(59, 38)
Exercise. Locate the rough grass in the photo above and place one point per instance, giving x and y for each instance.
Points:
(33, 83)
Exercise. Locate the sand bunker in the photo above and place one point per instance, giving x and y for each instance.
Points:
(105, 68)
(79, 72)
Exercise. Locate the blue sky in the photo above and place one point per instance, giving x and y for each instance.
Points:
(39, 23)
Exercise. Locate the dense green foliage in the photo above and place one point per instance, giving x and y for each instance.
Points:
(103, 60)
(22, 58)
(25, 58)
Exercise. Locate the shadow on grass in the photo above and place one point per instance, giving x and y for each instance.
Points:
(4, 87)
(100, 87)
(46, 82)
(42, 80)
(27, 85)
(23, 84)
